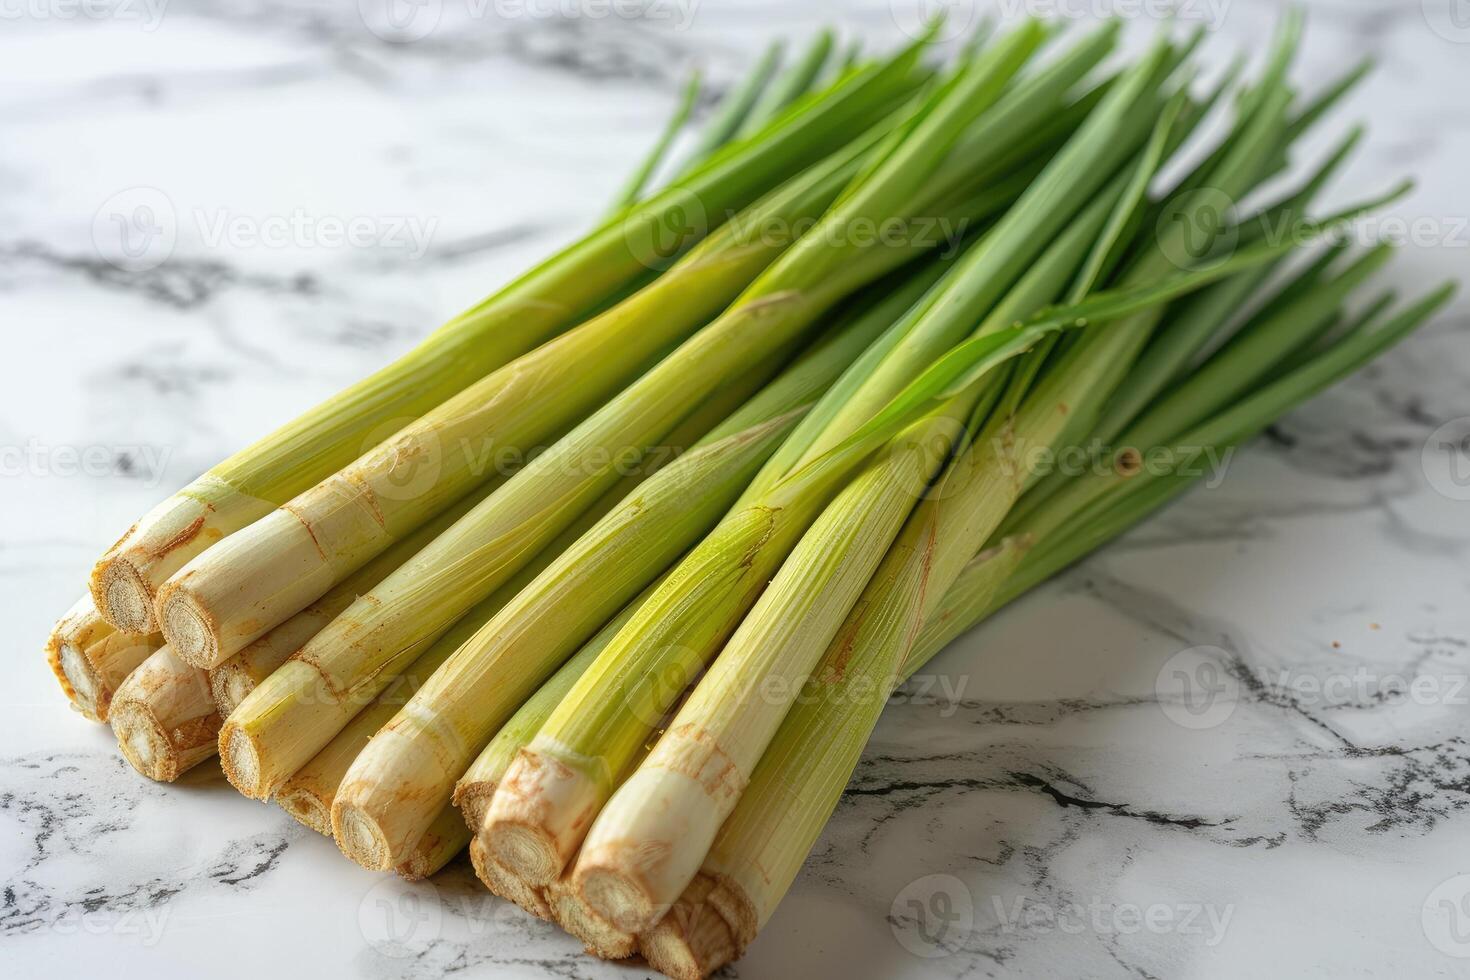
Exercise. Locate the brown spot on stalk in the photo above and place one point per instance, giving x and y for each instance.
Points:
(179, 540)
(1129, 462)
(364, 494)
(306, 524)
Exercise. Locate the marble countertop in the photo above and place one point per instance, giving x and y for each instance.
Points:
(1052, 804)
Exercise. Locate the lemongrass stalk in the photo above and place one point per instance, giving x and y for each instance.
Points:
(165, 717)
(501, 882)
(231, 595)
(308, 794)
(102, 668)
(79, 628)
(751, 861)
(600, 938)
(440, 844)
(413, 767)
(473, 791)
(90, 659)
(647, 842)
(773, 314)
(338, 712)
(527, 312)
(233, 680)
(760, 847)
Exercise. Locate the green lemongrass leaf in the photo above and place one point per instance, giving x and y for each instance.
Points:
(1301, 281)
(1031, 116)
(959, 369)
(1250, 355)
(854, 100)
(1071, 528)
(737, 104)
(791, 84)
(1264, 406)
(638, 180)
(1190, 329)
(1113, 237)
(1065, 512)
(937, 124)
(979, 37)
(1329, 99)
(1341, 331)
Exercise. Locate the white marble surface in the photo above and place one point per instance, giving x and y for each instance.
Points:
(1087, 826)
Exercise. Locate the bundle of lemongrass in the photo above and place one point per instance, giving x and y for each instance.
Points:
(644, 677)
